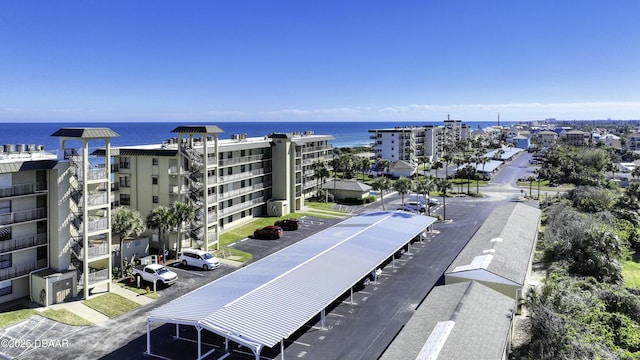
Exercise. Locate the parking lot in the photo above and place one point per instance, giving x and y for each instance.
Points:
(352, 331)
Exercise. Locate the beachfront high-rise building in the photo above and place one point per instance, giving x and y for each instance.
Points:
(55, 234)
(55, 209)
(241, 178)
(410, 143)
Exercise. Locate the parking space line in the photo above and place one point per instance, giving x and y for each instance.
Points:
(338, 315)
(187, 271)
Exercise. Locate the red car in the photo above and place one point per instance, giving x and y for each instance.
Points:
(268, 232)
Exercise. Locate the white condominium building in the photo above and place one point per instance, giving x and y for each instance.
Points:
(227, 182)
(410, 143)
(55, 209)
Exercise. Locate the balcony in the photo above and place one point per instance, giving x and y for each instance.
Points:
(244, 190)
(177, 190)
(23, 242)
(174, 170)
(22, 269)
(95, 250)
(22, 189)
(98, 275)
(22, 216)
(98, 225)
(244, 175)
(242, 206)
(97, 199)
(93, 174)
(241, 160)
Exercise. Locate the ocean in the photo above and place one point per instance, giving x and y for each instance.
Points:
(347, 134)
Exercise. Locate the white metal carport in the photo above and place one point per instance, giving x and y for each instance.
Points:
(264, 303)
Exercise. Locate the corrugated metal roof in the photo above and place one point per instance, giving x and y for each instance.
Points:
(86, 133)
(517, 225)
(15, 166)
(198, 129)
(270, 299)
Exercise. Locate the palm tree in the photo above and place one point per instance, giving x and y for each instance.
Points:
(458, 160)
(437, 165)
(402, 186)
(443, 185)
(424, 160)
(483, 160)
(537, 172)
(125, 223)
(530, 179)
(160, 218)
(383, 165)
(364, 165)
(424, 187)
(181, 213)
(447, 159)
(320, 172)
(381, 184)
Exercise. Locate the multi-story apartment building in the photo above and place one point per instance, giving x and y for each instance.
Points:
(577, 138)
(241, 178)
(410, 143)
(55, 235)
(55, 209)
(633, 141)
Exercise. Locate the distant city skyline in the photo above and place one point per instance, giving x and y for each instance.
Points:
(284, 60)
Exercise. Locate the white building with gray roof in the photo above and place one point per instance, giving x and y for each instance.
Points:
(466, 320)
(499, 254)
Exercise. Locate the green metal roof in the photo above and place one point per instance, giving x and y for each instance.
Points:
(197, 129)
(85, 133)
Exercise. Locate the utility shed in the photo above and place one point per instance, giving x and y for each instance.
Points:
(499, 254)
(459, 321)
(264, 303)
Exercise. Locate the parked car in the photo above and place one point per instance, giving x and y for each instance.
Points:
(416, 206)
(288, 224)
(420, 199)
(155, 273)
(199, 258)
(413, 207)
(268, 232)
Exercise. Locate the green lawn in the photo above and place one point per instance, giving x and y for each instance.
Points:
(20, 312)
(242, 232)
(320, 205)
(15, 314)
(66, 317)
(140, 291)
(631, 274)
(111, 304)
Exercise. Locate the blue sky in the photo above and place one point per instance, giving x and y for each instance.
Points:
(278, 60)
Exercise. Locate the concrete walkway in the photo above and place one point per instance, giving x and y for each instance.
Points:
(82, 310)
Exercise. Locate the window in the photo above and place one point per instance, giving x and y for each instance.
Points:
(5, 261)
(154, 180)
(5, 288)
(124, 163)
(154, 161)
(125, 181)
(125, 199)
(155, 199)
(41, 253)
(5, 234)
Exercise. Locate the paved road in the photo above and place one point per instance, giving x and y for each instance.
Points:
(360, 331)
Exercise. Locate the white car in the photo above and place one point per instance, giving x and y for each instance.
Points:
(413, 206)
(199, 258)
(420, 199)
